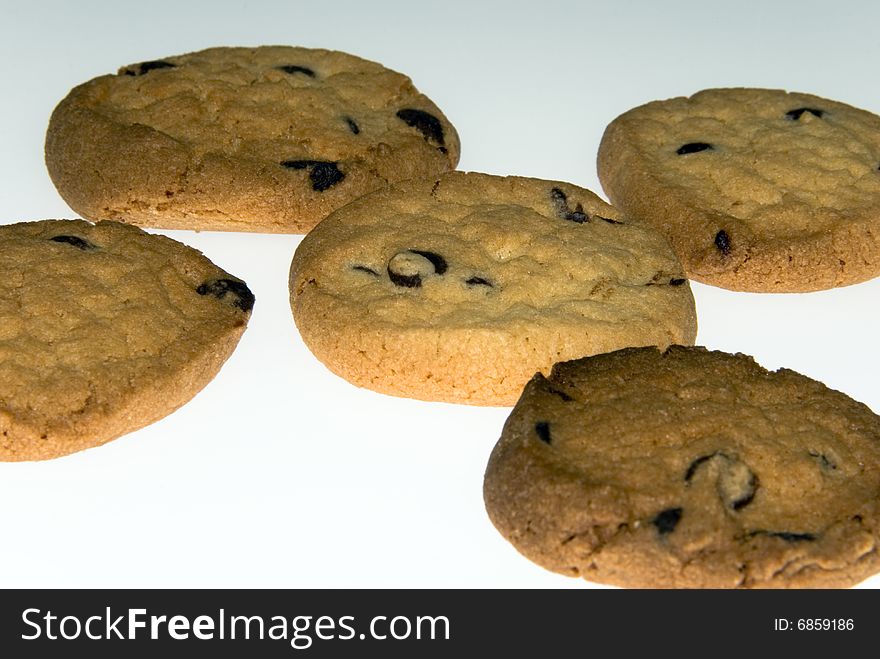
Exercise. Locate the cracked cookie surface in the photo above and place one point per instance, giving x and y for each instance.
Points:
(265, 139)
(757, 189)
(104, 329)
(460, 288)
(689, 468)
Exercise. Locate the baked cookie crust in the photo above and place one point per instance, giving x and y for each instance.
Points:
(267, 139)
(757, 190)
(104, 329)
(460, 288)
(689, 468)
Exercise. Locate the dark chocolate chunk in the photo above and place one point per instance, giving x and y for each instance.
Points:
(478, 281)
(436, 260)
(363, 268)
(794, 115)
(742, 494)
(404, 271)
(558, 392)
(785, 535)
(722, 242)
(560, 201)
(792, 537)
(352, 125)
(823, 460)
(656, 281)
(406, 281)
(293, 68)
(323, 174)
(667, 520)
(542, 428)
(577, 215)
(76, 241)
(146, 67)
(693, 147)
(696, 464)
(736, 483)
(427, 124)
(244, 299)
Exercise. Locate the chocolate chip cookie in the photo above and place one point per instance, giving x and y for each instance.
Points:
(689, 468)
(461, 287)
(104, 329)
(757, 189)
(264, 139)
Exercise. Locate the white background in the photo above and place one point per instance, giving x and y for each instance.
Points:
(279, 474)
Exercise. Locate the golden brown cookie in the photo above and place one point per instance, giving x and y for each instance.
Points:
(460, 288)
(242, 139)
(104, 329)
(757, 189)
(689, 468)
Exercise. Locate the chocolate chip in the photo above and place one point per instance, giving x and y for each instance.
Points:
(407, 268)
(738, 491)
(667, 520)
(735, 482)
(558, 392)
(696, 464)
(323, 174)
(436, 260)
(785, 535)
(244, 299)
(792, 537)
(76, 241)
(542, 428)
(478, 281)
(293, 68)
(560, 201)
(427, 124)
(722, 242)
(657, 281)
(693, 147)
(363, 268)
(352, 125)
(405, 281)
(794, 115)
(823, 460)
(146, 67)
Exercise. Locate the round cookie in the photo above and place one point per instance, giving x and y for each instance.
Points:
(266, 139)
(460, 288)
(689, 468)
(104, 329)
(757, 189)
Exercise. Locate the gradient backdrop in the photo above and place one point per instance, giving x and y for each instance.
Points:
(279, 473)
